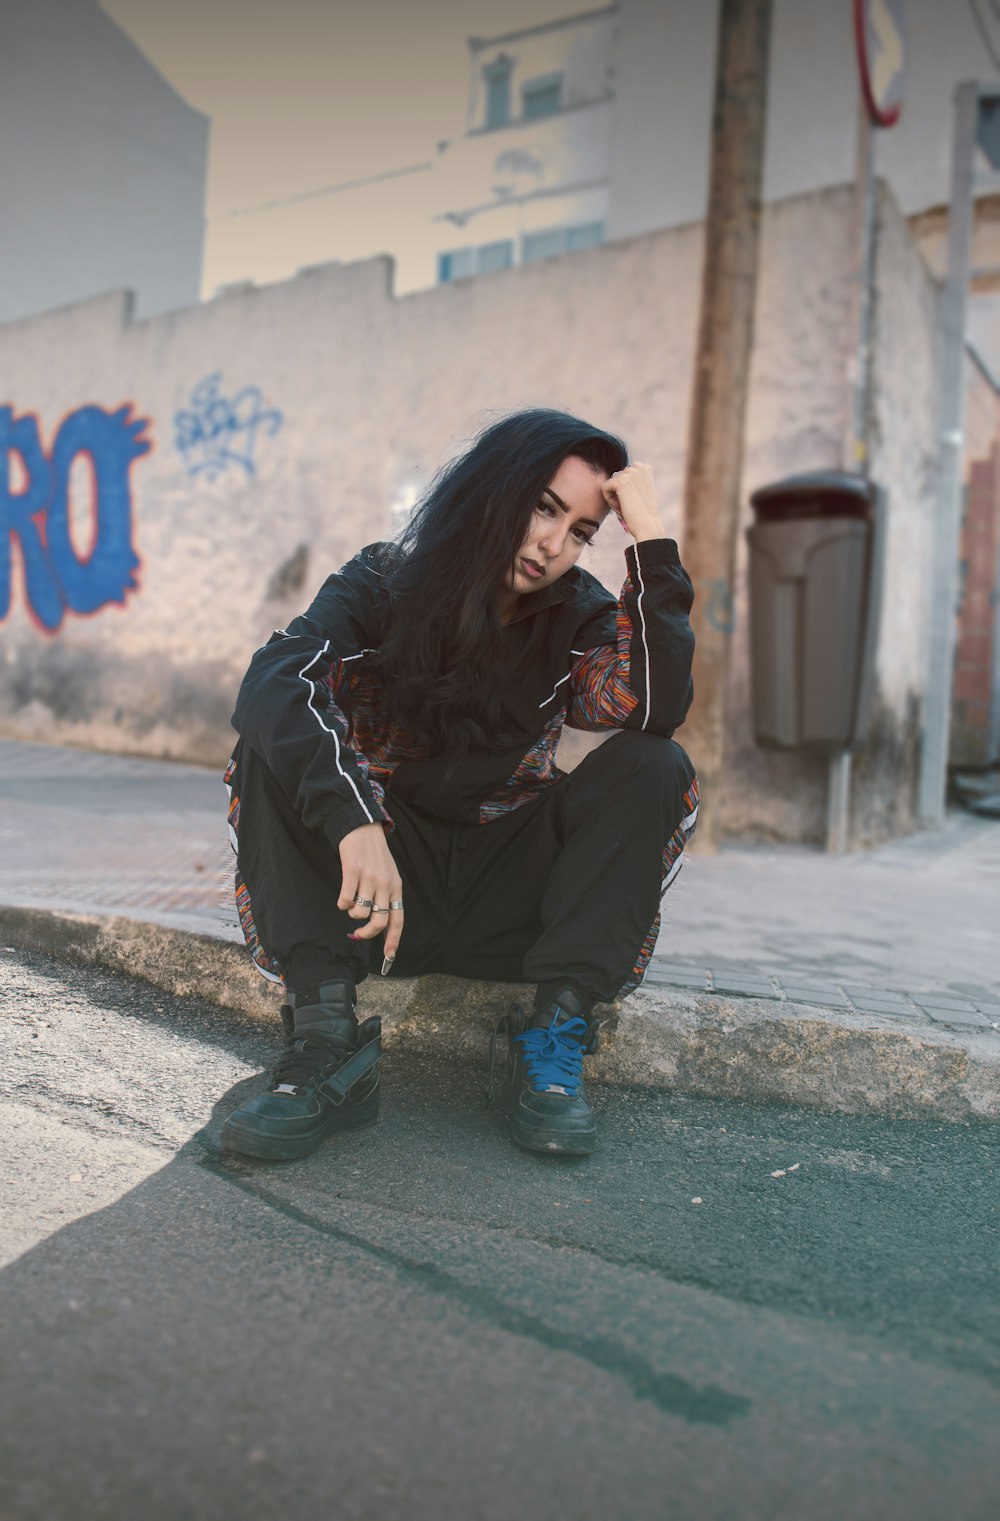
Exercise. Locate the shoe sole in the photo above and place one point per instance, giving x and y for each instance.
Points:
(556, 1143)
(246, 1142)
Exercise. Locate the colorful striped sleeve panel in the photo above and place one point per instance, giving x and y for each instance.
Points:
(261, 958)
(382, 747)
(336, 683)
(640, 678)
(536, 772)
(600, 696)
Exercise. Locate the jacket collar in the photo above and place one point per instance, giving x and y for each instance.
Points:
(534, 602)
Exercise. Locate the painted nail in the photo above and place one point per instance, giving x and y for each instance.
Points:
(352, 937)
(386, 964)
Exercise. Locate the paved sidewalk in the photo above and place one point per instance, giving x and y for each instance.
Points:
(911, 925)
(899, 942)
(104, 834)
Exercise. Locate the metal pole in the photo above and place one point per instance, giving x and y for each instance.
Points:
(838, 802)
(951, 398)
(856, 443)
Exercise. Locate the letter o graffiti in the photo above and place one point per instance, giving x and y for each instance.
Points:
(57, 578)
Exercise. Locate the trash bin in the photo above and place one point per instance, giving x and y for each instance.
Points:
(816, 552)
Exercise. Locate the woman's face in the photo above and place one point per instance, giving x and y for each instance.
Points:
(569, 513)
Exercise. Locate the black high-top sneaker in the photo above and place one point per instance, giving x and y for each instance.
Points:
(549, 1104)
(326, 1079)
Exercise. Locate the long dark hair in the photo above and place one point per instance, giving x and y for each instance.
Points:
(442, 654)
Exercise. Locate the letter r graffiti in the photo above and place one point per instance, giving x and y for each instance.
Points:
(19, 511)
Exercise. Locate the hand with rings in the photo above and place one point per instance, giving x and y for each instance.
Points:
(370, 882)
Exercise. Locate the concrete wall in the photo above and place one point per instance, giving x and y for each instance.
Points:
(292, 424)
(902, 436)
(102, 177)
(795, 422)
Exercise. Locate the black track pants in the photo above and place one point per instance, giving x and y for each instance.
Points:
(567, 886)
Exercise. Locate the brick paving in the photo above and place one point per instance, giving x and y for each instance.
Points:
(113, 835)
(891, 1005)
(903, 933)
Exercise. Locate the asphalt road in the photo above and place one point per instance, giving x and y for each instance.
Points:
(419, 1320)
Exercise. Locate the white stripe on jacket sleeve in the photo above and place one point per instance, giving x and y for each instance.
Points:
(319, 719)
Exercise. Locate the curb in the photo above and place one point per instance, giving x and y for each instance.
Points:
(673, 1039)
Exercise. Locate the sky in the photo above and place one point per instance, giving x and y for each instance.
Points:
(308, 93)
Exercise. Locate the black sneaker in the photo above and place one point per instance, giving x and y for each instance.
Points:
(549, 1105)
(326, 1080)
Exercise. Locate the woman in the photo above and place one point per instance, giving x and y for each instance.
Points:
(394, 787)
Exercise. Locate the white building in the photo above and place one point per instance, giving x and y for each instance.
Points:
(531, 175)
(525, 176)
(596, 127)
(102, 176)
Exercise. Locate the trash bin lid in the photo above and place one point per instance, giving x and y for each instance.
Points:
(816, 494)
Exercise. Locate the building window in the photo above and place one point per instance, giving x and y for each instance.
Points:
(541, 97)
(497, 76)
(558, 240)
(456, 264)
(543, 245)
(459, 263)
(586, 235)
(493, 256)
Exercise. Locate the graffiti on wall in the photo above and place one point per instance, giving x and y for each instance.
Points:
(39, 514)
(216, 431)
(720, 611)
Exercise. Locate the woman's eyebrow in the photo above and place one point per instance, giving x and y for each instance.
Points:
(590, 521)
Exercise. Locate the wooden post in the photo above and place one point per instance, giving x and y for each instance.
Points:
(722, 365)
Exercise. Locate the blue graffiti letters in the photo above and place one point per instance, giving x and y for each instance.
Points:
(109, 571)
(216, 431)
(57, 577)
(19, 514)
(719, 611)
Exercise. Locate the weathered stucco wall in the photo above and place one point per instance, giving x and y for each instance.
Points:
(795, 422)
(785, 796)
(292, 424)
(902, 437)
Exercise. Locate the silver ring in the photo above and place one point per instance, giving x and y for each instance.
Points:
(379, 910)
(365, 902)
(396, 905)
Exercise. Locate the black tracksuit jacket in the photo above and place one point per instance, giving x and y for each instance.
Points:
(310, 710)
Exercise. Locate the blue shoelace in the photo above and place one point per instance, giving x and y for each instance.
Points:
(554, 1056)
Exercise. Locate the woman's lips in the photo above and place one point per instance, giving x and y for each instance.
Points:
(531, 570)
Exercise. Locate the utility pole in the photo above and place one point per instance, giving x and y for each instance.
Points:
(722, 366)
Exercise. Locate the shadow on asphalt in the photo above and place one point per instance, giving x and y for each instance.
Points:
(421, 1300)
(881, 1226)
